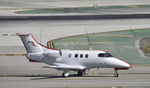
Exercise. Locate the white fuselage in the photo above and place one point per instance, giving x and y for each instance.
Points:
(86, 58)
(77, 60)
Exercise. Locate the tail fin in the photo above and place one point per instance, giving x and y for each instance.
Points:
(31, 45)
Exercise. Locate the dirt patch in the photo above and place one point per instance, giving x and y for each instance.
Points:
(145, 46)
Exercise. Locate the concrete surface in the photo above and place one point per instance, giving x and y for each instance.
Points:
(66, 3)
(45, 30)
(87, 81)
(8, 7)
(19, 65)
(23, 74)
(17, 72)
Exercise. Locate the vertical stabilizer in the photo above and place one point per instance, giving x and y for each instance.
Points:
(31, 45)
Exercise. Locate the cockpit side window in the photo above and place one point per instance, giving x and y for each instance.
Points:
(108, 55)
(104, 55)
(101, 55)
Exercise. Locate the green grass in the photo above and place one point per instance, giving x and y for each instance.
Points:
(77, 9)
(120, 44)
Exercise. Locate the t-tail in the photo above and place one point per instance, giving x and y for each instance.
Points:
(36, 51)
(31, 45)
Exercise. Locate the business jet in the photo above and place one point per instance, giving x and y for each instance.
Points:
(70, 60)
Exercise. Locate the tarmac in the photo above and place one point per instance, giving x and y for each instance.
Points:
(125, 81)
(18, 72)
(10, 8)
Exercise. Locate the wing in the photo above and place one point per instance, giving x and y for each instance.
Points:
(67, 67)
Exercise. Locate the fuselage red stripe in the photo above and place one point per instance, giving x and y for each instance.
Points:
(41, 44)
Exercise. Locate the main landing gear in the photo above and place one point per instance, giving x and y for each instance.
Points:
(116, 73)
(66, 73)
(82, 72)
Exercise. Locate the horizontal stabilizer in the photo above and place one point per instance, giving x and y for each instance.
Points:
(16, 34)
(23, 33)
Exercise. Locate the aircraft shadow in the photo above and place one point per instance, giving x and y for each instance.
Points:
(70, 76)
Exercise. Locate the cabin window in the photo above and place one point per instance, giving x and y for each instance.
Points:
(81, 55)
(60, 53)
(69, 55)
(76, 55)
(101, 55)
(86, 55)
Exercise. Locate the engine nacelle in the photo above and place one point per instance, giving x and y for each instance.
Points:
(53, 55)
(35, 56)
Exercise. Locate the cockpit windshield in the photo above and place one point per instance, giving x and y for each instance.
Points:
(104, 55)
(108, 55)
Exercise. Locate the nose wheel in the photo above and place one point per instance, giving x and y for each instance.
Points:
(65, 74)
(116, 73)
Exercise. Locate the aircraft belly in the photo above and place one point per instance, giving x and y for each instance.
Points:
(90, 63)
(35, 56)
(49, 61)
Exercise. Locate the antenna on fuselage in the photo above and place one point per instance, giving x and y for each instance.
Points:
(40, 35)
(132, 30)
(88, 39)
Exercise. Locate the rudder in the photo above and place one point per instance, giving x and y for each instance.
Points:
(30, 43)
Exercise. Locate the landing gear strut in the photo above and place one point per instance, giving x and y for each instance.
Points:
(82, 72)
(116, 73)
(65, 74)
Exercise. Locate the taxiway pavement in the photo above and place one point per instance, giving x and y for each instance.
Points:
(18, 72)
(9, 7)
(45, 30)
(133, 80)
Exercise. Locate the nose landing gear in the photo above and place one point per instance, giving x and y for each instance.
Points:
(65, 74)
(116, 73)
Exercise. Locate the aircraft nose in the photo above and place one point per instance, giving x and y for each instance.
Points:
(124, 64)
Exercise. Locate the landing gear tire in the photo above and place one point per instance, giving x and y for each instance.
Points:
(116, 75)
(80, 73)
(65, 74)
